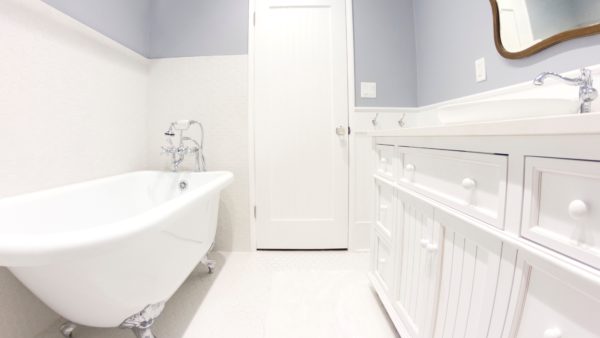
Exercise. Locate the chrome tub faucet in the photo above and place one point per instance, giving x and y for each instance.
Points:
(179, 152)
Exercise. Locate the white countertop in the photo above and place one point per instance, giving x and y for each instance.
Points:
(552, 125)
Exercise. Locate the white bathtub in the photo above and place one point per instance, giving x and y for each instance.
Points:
(100, 251)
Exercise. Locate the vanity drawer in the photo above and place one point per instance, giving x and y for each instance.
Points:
(387, 159)
(385, 209)
(383, 265)
(474, 183)
(562, 206)
(555, 307)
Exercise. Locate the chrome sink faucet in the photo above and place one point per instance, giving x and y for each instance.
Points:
(179, 152)
(587, 92)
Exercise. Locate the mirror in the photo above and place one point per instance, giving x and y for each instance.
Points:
(525, 27)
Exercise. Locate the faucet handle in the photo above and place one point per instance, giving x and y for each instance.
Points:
(167, 150)
(586, 77)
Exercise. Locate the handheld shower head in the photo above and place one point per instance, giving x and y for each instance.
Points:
(170, 132)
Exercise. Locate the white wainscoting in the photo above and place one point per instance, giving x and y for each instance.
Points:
(72, 108)
(362, 159)
(214, 91)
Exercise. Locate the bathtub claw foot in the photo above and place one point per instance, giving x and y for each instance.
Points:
(211, 264)
(140, 323)
(67, 329)
(143, 333)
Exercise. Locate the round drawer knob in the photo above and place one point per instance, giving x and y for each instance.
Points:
(553, 333)
(469, 183)
(427, 245)
(578, 209)
(410, 167)
(383, 160)
(431, 247)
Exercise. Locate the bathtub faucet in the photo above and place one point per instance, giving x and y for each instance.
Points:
(179, 151)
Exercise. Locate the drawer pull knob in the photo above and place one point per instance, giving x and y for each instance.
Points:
(553, 333)
(410, 172)
(382, 260)
(431, 247)
(578, 209)
(469, 183)
(427, 245)
(383, 160)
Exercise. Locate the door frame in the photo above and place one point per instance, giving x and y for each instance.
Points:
(251, 115)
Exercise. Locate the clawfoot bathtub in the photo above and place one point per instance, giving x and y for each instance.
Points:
(111, 252)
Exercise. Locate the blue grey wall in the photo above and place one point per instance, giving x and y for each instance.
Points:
(451, 35)
(384, 36)
(166, 28)
(198, 27)
(125, 21)
(419, 55)
(384, 52)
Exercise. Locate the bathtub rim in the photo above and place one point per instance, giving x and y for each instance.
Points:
(19, 250)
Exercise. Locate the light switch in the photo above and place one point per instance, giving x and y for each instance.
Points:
(480, 72)
(368, 90)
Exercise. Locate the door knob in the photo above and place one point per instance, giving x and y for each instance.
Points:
(340, 131)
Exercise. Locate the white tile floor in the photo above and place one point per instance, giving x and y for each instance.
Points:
(270, 295)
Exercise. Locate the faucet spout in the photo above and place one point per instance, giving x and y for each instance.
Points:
(539, 80)
(585, 82)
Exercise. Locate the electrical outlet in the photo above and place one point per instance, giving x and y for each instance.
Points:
(480, 71)
(368, 90)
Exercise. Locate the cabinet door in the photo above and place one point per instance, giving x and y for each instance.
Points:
(384, 209)
(383, 267)
(418, 265)
(470, 270)
(551, 301)
(382, 244)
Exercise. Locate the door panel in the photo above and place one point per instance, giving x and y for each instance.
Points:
(552, 300)
(469, 280)
(418, 265)
(301, 97)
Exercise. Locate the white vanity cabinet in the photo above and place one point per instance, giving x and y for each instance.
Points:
(488, 236)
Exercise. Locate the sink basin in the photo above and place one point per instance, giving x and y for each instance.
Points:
(507, 109)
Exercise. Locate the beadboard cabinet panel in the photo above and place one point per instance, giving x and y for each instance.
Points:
(444, 270)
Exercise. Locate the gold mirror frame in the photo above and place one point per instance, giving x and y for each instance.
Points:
(553, 40)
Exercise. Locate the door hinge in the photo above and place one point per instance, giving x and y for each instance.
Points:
(255, 211)
(349, 130)
(253, 18)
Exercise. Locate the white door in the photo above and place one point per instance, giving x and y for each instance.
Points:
(300, 99)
